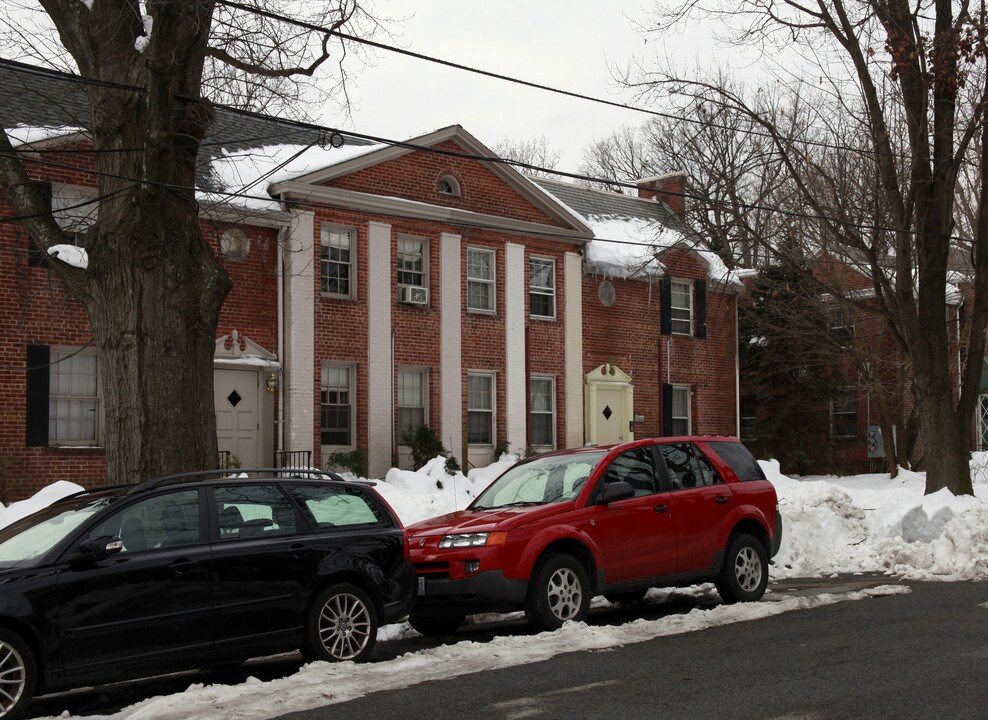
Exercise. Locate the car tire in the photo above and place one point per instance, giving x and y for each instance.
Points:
(432, 626)
(341, 625)
(18, 670)
(744, 574)
(627, 597)
(559, 591)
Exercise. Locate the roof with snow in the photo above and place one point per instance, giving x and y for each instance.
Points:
(631, 233)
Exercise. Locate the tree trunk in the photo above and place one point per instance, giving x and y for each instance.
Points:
(945, 437)
(153, 312)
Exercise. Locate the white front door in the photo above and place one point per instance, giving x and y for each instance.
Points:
(235, 394)
(611, 416)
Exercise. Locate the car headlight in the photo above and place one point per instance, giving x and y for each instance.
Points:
(467, 540)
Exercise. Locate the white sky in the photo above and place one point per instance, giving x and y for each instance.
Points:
(863, 523)
(568, 44)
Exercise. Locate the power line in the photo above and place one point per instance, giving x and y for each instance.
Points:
(331, 132)
(530, 84)
(546, 234)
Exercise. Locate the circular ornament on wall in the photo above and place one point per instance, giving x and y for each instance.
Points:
(606, 293)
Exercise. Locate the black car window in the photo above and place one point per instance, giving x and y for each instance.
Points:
(688, 467)
(245, 511)
(162, 521)
(636, 467)
(331, 506)
(741, 461)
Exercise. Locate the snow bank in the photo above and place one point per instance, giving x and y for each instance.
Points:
(874, 523)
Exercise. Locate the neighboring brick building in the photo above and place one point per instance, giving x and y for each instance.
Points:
(385, 287)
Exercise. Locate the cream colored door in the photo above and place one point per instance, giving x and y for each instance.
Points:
(235, 394)
(611, 416)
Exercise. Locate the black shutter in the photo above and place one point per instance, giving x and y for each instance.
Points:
(38, 358)
(666, 410)
(700, 291)
(36, 257)
(666, 292)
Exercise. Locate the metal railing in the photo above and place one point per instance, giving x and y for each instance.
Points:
(293, 458)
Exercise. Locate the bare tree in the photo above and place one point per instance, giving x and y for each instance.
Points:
(531, 154)
(153, 289)
(893, 73)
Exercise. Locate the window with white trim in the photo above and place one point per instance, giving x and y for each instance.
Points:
(840, 323)
(338, 273)
(413, 261)
(449, 185)
(480, 408)
(542, 287)
(336, 402)
(681, 410)
(543, 410)
(480, 280)
(73, 398)
(844, 412)
(74, 209)
(681, 307)
(412, 395)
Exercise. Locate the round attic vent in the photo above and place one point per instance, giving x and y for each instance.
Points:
(606, 293)
(235, 244)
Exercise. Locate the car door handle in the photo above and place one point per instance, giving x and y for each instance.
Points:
(660, 508)
(183, 566)
(298, 550)
(721, 500)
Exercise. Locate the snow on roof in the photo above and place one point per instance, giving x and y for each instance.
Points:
(629, 232)
(28, 135)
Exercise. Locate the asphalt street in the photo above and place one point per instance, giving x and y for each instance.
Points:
(918, 655)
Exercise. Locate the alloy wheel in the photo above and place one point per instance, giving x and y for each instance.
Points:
(344, 626)
(13, 677)
(565, 593)
(748, 569)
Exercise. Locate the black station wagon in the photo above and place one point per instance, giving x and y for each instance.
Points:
(194, 570)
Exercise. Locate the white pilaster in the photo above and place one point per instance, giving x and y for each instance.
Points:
(515, 296)
(573, 353)
(300, 374)
(450, 330)
(380, 376)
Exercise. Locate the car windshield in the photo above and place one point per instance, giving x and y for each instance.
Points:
(550, 479)
(25, 542)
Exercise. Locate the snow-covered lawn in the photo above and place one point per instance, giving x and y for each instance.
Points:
(864, 523)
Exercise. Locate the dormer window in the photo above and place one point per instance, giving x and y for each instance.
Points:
(449, 185)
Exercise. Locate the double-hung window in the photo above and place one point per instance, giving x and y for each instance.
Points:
(412, 259)
(336, 405)
(480, 408)
(543, 409)
(338, 252)
(680, 410)
(542, 287)
(412, 393)
(73, 402)
(844, 412)
(480, 280)
(682, 307)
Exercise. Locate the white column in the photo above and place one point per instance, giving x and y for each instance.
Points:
(300, 374)
(515, 295)
(380, 394)
(573, 353)
(450, 352)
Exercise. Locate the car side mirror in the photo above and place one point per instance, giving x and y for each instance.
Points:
(615, 491)
(100, 547)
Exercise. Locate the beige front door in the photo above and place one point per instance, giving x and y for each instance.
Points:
(235, 394)
(612, 417)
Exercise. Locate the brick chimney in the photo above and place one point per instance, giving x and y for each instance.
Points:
(668, 188)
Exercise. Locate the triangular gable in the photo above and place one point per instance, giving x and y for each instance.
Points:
(333, 179)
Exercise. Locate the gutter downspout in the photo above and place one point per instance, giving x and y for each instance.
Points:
(280, 282)
(737, 370)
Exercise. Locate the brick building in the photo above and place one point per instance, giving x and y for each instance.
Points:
(378, 288)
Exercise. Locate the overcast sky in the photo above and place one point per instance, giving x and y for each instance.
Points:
(569, 44)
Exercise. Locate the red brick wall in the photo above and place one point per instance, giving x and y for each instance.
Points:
(628, 335)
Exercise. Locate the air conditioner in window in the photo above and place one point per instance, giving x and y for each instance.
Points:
(413, 295)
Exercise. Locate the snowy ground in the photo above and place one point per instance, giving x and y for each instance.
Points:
(864, 523)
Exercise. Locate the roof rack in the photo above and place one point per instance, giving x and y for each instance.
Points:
(234, 474)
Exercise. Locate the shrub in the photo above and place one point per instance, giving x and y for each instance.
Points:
(354, 461)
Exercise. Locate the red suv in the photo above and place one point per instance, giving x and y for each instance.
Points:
(557, 529)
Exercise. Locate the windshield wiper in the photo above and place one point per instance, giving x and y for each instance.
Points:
(523, 503)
